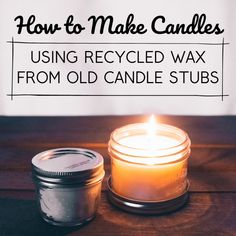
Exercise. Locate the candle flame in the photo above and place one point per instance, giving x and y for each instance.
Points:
(151, 133)
(151, 126)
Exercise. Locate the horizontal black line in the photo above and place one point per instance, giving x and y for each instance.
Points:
(113, 43)
(16, 190)
(212, 192)
(116, 95)
(105, 190)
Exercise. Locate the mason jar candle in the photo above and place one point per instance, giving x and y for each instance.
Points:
(68, 185)
(149, 167)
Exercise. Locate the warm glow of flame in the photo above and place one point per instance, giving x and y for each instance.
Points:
(151, 126)
(151, 133)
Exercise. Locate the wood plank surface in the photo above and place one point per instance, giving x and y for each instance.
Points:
(62, 130)
(212, 173)
(210, 170)
(205, 214)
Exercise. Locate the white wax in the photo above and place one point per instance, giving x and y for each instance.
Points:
(145, 141)
(146, 170)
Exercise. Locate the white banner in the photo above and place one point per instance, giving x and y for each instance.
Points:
(117, 57)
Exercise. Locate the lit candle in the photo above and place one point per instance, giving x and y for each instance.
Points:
(149, 162)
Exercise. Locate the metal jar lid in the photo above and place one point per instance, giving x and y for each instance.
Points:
(67, 166)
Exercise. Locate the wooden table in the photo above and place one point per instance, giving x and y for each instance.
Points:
(212, 173)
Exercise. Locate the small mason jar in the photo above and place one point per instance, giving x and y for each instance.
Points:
(148, 168)
(68, 185)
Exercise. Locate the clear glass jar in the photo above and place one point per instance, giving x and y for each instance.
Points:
(68, 185)
(149, 167)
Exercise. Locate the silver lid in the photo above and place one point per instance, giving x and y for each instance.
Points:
(68, 166)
